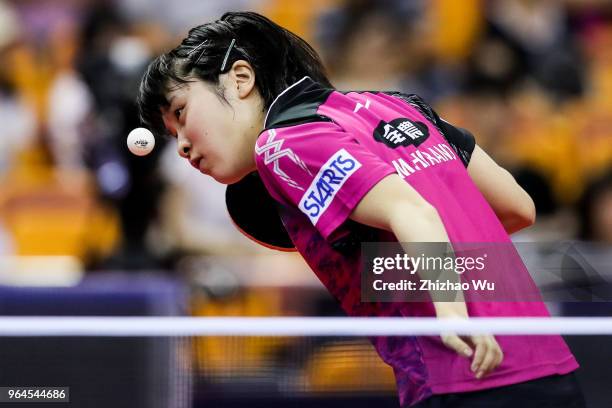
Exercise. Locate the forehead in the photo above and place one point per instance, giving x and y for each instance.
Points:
(177, 89)
(192, 89)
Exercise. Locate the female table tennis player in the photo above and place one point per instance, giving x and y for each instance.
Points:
(316, 170)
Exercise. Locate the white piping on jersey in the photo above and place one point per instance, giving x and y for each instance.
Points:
(360, 105)
(278, 96)
(273, 153)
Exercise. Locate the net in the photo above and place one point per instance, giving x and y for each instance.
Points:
(126, 371)
(226, 362)
(287, 369)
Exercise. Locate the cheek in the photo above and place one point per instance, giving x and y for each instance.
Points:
(211, 130)
(223, 139)
(199, 131)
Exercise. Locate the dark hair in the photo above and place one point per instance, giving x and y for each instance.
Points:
(279, 58)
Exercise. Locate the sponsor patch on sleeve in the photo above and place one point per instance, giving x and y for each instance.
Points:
(328, 181)
(401, 132)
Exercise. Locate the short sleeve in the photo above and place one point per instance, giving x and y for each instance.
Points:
(461, 140)
(320, 169)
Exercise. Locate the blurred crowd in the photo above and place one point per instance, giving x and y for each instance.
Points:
(531, 79)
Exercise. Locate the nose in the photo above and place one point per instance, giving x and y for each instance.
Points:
(184, 147)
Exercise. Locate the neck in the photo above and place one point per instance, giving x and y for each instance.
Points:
(253, 133)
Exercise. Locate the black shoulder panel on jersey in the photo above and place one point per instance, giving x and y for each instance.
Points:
(461, 140)
(298, 104)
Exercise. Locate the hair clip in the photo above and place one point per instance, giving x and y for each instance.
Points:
(229, 49)
(197, 48)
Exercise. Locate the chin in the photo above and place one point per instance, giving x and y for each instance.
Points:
(226, 178)
(228, 175)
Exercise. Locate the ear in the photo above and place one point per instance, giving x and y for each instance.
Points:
(243, 74)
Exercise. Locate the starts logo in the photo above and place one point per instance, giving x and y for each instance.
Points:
(330, 179)
(401, 132)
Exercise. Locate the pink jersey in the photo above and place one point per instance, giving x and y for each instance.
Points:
(321, 152)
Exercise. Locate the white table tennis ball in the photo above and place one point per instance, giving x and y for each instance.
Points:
(141, 141)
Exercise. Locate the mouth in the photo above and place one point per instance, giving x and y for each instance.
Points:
(196, 163)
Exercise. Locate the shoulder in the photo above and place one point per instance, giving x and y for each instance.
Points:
(294, 154)
(460, 139)
(297, 104)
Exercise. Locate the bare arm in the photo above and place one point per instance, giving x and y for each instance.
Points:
(385, 206)
(512, 205)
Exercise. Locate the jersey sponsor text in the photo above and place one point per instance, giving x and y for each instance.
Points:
(330, 179)
(421, 159)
